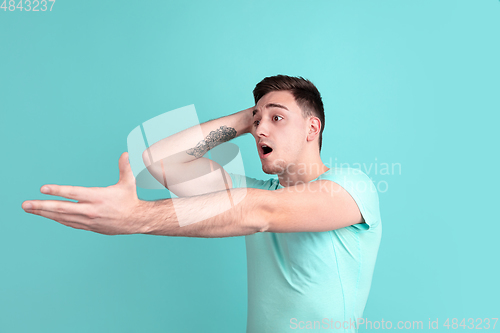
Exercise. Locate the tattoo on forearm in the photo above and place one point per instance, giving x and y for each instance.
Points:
(213, 139)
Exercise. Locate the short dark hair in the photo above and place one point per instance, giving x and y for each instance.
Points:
(304, 91)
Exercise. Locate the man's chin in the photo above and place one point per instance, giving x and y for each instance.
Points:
(269, 171)
(275, 168)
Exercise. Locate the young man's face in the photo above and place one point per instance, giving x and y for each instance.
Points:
(278, 124)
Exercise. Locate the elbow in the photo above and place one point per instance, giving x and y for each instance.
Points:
(255, 209)
(261, 218)
(263, 228)
(257, 225)
(260, 223)
(264, 221)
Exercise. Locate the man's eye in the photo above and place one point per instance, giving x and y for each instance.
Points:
(255, 123)
(274, 118)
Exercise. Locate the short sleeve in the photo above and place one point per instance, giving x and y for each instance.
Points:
(249, 182)
(362, 190)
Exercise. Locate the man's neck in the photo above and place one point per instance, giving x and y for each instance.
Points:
(302, 172)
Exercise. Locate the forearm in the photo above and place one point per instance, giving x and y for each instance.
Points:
(209, 215)
(195, 141)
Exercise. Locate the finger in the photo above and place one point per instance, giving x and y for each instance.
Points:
(70, 192)
(126, 173)
(62, 207)
(73, 221)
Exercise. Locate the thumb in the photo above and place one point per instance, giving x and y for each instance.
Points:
(126, 173)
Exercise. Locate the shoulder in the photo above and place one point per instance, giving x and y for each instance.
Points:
(361, 189)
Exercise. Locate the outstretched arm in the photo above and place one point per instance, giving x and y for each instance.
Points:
(116, 209)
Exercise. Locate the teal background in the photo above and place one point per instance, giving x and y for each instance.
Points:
(408, 82)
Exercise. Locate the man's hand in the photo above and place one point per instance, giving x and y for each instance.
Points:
(111, 210)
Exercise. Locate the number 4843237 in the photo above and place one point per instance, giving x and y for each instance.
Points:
(478, 324)
(27, 5)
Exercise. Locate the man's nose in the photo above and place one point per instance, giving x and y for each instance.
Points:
(262, 129)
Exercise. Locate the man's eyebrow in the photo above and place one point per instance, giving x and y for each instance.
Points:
(271, 105)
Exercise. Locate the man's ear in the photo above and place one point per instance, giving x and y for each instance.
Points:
(313, 128)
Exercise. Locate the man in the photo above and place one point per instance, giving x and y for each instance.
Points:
(312, 233)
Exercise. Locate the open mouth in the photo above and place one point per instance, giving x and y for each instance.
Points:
(266, 150)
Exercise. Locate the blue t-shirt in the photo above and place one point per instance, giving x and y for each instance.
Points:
(313, 280)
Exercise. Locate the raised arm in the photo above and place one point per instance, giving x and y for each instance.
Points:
(177, 161)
